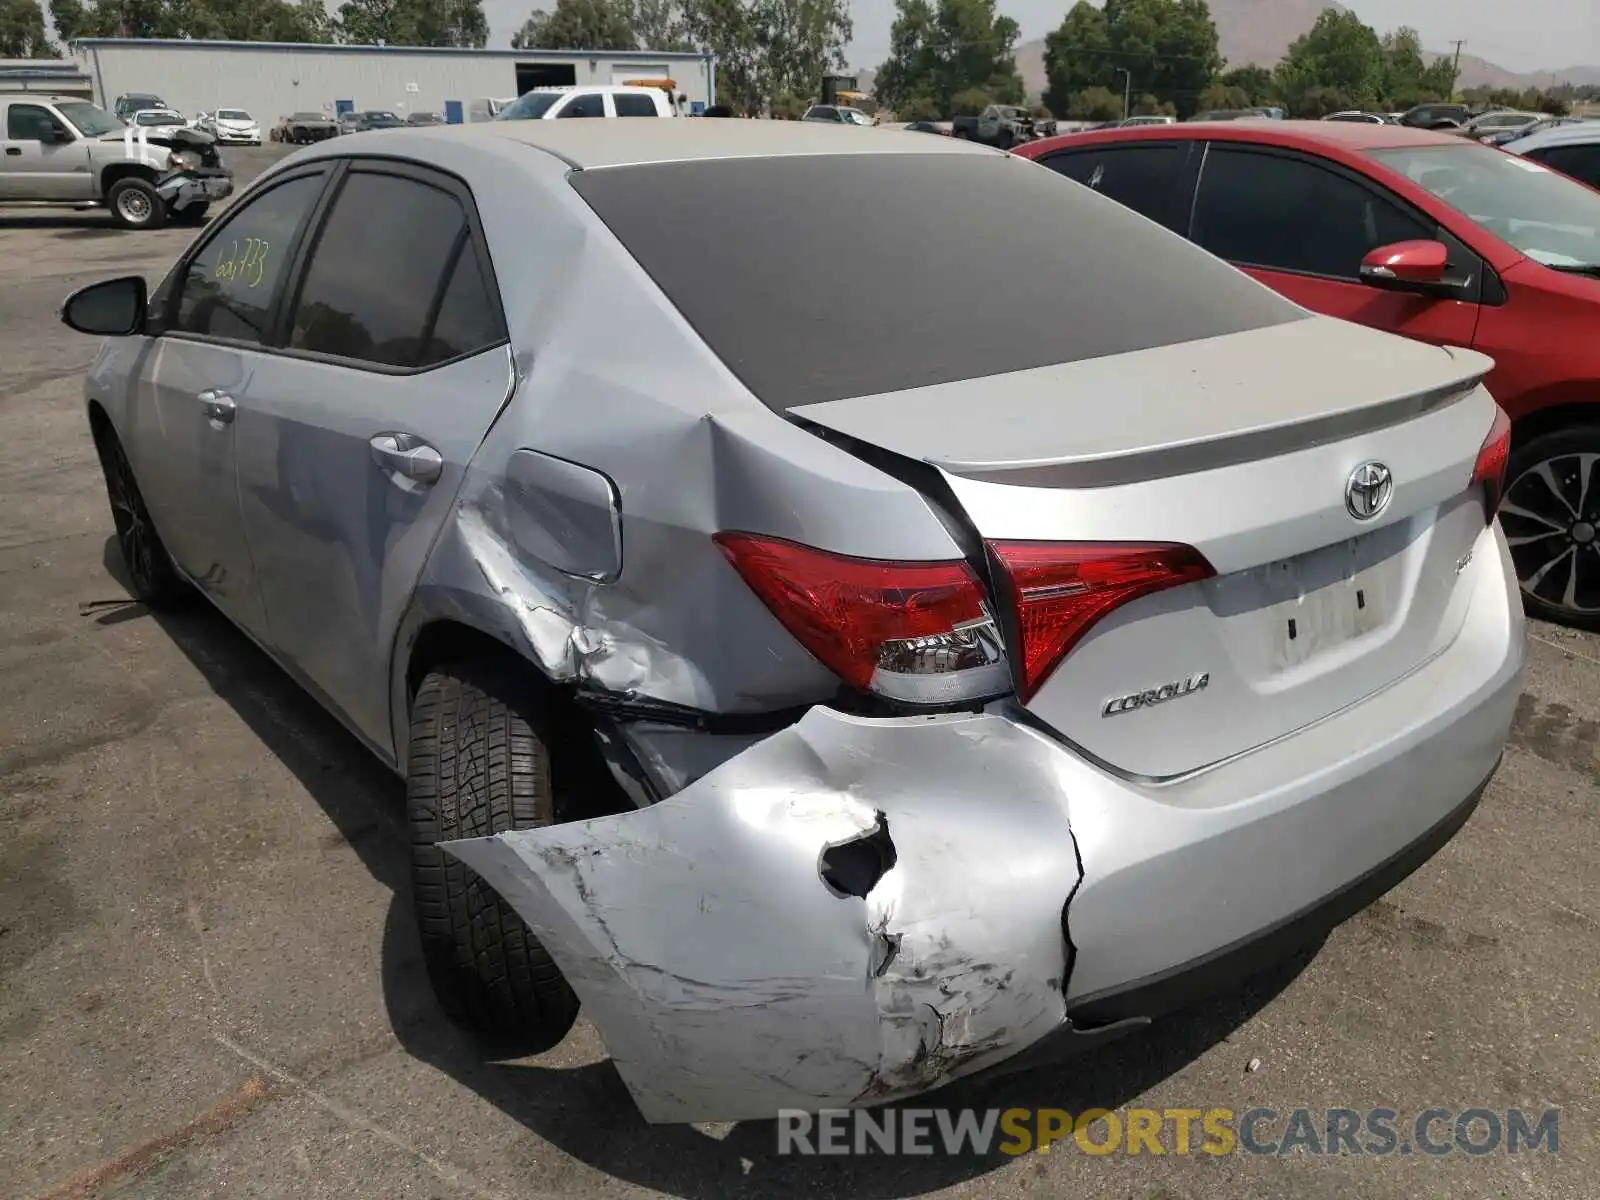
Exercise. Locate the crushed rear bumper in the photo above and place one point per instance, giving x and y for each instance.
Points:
(857, 910)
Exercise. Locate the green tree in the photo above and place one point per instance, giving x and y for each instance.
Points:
(1407, 77)
(233, 20)
(919, 108)
(1221, 96)
(1168, 48)
(22, 30)
(579, 25)
(659, 25)
(769, 48)
(1340, 55)
(938, 53)
(1255, 82)
(413, 23)
(1095, 104)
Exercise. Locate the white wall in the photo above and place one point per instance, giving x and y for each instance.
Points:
(272, 82)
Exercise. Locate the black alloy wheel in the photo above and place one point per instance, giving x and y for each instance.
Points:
(1551, 519)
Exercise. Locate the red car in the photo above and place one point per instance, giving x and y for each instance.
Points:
(1420, 233)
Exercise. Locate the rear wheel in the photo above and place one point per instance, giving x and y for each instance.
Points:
(478, 765)
(1551, 518)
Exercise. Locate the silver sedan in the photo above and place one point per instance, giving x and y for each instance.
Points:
(833, 709)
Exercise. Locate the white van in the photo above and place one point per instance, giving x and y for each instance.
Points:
(615, 100)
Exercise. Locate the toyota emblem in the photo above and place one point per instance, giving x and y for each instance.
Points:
(1367, 491)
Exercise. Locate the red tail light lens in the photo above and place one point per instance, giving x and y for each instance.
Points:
(1490, 470)
(1062, 588)
(912, 631)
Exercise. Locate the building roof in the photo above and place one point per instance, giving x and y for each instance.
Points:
(590, 145)
(198, 45)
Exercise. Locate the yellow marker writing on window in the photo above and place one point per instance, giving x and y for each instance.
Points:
(246, 263)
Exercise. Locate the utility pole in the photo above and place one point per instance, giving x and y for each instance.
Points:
(1455, 70)
(1127, 91)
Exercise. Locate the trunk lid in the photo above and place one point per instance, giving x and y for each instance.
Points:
(1243, 447)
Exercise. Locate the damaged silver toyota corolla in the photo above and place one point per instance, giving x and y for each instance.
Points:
(863, 652)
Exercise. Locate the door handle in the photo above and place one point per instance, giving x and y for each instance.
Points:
(13, 151)
(407, 455)
(218, 407)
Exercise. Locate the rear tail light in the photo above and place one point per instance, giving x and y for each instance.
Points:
(1060, 589)
(917, 632)
(1490, 469)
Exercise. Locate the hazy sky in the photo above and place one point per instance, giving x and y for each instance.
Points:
(1524, 35)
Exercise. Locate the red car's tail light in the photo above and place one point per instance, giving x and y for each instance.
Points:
(912, 631)
(1490, 469)
(1062, 588)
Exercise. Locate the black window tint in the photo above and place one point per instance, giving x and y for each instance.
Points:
(1285, 214)
(1580, 162)
(469, 317)
(591, 105)
(227, 289)
(629, 105)
(1029, 270)
(381, 265)
(1141, 177)
(29, 123)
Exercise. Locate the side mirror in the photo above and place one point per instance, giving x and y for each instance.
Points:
(1416, 267)
(115, 308)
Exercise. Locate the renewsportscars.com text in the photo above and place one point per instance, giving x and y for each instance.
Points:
(1373, 1132)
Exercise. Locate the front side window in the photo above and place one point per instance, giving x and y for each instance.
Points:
(366, 299)
(632, 105)
(1287, 214)
(1142, 177)
(228, 288)
(1542, 213)
(30, 123)
(1044, 273)
(529, 107)
(590, 104)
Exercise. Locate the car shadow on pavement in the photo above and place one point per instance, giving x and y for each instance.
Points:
(586, 1112)
(93, 222)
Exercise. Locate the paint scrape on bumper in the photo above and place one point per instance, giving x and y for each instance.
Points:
(850, 912)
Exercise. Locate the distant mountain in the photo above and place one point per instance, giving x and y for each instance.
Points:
(1260, 31)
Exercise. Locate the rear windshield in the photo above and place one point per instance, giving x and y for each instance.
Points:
(817, 278)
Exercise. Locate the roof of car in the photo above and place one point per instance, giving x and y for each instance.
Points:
(594, 144)
(1352, 136)
(1557, 135)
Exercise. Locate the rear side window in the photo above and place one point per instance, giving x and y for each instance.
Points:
(630, 105)
(1287, 214)
(811, 288)
(1142, 177)
(1580, 162)
(394, 278)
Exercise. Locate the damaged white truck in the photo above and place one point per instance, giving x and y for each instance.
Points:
(831, 711)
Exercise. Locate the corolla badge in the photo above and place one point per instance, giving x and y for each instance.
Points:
(1368, 490)
(1176, 690)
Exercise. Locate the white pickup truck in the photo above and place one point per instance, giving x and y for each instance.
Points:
(62, 150)
(613, 100)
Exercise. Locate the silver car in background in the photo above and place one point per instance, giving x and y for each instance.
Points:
(833, 710)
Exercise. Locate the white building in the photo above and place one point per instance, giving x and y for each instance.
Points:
(273, 79)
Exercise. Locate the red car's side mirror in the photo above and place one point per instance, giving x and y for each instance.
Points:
(1406, 266)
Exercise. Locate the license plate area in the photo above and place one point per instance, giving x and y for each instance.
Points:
(1318, 602)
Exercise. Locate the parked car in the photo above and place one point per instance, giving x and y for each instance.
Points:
(548, 104)
(1571, 149)
(835, 717)
(164, 120)
(125, 106)
(926, 127)
(349, 122)
(1436, 116)
(63, 150)
(1504, 121)
(484, 109)
(231, 126)
(1230, 114)
(302, 128)
(377, 119)
(837, 114)
(1424, 234)
(1000, 125)
(424, 118)
(1511, 135)
(1361, 118)
(1142, 119)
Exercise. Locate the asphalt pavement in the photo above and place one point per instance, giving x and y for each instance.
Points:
(209, 983)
